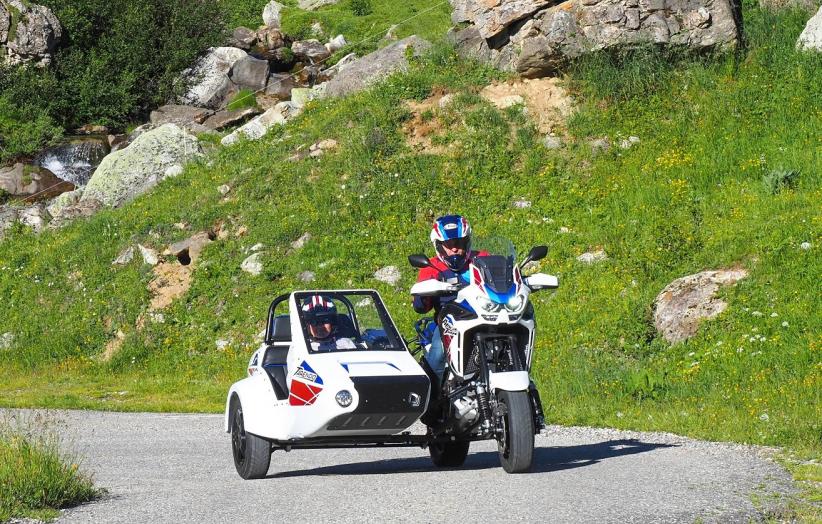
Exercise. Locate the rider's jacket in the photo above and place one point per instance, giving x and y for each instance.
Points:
(438, 270)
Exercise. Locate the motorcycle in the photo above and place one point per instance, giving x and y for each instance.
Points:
(488, 331)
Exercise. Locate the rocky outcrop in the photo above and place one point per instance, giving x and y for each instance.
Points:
(32, 182)
(811, 37)
(534, 39)
(373, 67)
(129, 172)
(208, 81)
(687, 301)
(28, 32)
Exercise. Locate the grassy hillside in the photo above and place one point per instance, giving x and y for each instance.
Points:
(696, 193)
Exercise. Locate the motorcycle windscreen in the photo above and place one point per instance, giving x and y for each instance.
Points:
(497, 271)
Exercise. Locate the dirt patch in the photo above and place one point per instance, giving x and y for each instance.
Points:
(548, 103)
(170, 282)
(425, 124)
(113, 346)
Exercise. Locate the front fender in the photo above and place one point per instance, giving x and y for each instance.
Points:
(255, 394)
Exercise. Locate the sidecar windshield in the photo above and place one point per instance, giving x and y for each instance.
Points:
(497, 266)
(346, 321)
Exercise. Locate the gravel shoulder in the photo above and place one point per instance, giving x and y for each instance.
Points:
(178, 468)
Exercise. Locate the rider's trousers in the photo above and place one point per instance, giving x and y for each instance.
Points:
(436, 354)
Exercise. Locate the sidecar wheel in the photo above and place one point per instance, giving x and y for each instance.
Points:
(449, 454)
(516, 441)
(252, 454)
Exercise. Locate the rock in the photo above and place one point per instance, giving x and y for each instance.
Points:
(253, 264)
(280, 85)
(224, 189)
(188, 251)
(91, 129)
(629, 142)
(221, 344)
(71, 212)
(552, 142)
(389, 274)
(271, 14)
(149, 255)
(243, 38)
(269, 39)
(6, 341)
(28, 32)
(811, 37)
(59, 203)
(600, 145)
(173, 170)
(208, 82)
(514, 37)
(307, 276)
(522, 204)
(778, 5)
(335, 44)
(32, 182)
(319, 148)
(344, 62)
(177, 114)
(8, 217)
(310, 50)
(685, 302)
(35, 217)
(302, 95)
(250, 72)
(311, 5)
(805, 246)
(391, 34)
(223, 119)
(301, 242)
(125, 174)
(125, 257)
(259, 246)
(592, 257)
(259, 126)
(317, 30)
(375, 66)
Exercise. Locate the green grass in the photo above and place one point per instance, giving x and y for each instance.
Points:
(243, 99)
(689, 197)
(37, 478)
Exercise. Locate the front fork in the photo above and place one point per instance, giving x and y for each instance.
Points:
(536, 408)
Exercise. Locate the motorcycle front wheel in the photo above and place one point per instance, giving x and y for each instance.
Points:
(449, 454)
(516, 438)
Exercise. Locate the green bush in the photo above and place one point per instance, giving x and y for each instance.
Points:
(361, 7)
(36, 477)
(24, 129)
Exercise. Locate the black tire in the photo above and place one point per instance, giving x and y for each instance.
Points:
(252, 454)
(449, 454)
(516, 443)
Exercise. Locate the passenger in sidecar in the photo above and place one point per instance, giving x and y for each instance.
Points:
(332, 370)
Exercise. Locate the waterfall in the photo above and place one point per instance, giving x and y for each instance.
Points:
(74, 160)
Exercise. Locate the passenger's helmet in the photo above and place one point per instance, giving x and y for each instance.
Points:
(318, 309)
(453, 229)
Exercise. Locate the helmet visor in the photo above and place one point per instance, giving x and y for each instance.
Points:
(456, 243)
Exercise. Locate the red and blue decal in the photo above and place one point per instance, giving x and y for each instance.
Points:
(306, 385)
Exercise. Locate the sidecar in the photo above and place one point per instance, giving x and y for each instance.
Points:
(362, 389)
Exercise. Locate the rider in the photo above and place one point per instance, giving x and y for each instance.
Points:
(451, 236)
(320, 314)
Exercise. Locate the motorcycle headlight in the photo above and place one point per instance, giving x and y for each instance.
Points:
(488, 305)
(516, 304)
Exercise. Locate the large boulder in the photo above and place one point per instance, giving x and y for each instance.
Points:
(311, 51)
(29, 32)
(373, 67)
(32, 182)
(537, 43)
(208, 81)
(811, 37)
(271, 14)
(259, 126)
(178, 114)
(129, 172)
(687, 301)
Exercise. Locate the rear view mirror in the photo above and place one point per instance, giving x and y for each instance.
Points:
(536, 253)
(418, 261)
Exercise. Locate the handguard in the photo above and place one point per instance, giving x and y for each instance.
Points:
(433, 288)
(541, 281)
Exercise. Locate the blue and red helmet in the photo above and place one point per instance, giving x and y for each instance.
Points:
(453, 231)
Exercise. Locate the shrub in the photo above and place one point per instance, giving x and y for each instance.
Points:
(25, 128)
(361, 7)
(778, 179)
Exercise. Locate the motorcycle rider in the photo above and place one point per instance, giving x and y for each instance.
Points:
(320, 314)
(451, 236)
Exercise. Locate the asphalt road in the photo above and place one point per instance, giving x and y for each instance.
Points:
(178, 468)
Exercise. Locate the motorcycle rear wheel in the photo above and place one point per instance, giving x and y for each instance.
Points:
(449, 454)
(516, 441)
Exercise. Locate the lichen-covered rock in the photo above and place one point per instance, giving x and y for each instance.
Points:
(208, 81)
(35, 217)
(60, 202)
(177, 114)
(259, 126)
(545, 40)
(243, 38)
(271, 14)
(491, 18)
(250, 72)
(310, 50)
(29, 32)
(811, 37)
(129, 172)
(375, 66)
(81, 209)
(687, 301)
(222, 119)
